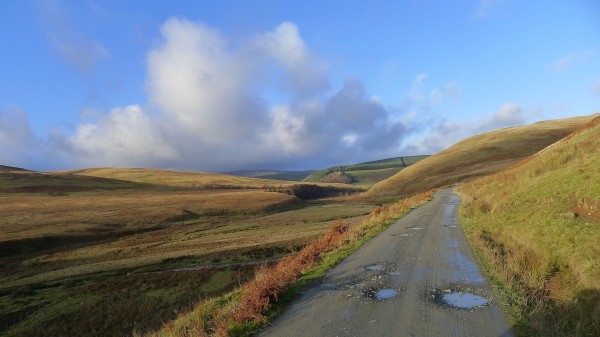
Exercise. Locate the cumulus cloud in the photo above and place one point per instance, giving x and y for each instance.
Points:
(126, 136)
(444, 133)
(209, 112)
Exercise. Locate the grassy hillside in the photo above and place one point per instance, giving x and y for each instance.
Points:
(40, 182)
(367, 173)
(178, 178)
(476, 156)
(537, 227)
(70, 241)
(10, 168)
(274, 175)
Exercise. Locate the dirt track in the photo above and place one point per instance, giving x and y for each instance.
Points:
(404, 282)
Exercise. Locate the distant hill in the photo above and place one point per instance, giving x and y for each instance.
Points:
(366, 173)
(272, 174)
(178, 178)
(10, 168)
(538, 225)
(476, 156)
(24, 181)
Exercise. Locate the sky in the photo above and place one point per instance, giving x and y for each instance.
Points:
(289, 85)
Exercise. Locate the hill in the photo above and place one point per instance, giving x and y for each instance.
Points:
(537, 225)
(178, 178)
(21, 180)
(272, 174)
(73, 242)
(367, 173)
(10, 168)
(476, 156)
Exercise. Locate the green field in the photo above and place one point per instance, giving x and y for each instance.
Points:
(271, 174)
(367, 173)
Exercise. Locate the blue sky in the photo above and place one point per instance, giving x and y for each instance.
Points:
(224, 85)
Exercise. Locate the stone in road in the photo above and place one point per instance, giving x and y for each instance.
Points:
(416, 278)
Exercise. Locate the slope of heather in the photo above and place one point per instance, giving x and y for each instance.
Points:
(537, 225)
(476, 156)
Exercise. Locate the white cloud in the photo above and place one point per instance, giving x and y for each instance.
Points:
(570, 59)
(444, 133)
(285, 45)
(123, 137)
(210, 115)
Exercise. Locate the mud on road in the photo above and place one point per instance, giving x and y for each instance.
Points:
(417, 278)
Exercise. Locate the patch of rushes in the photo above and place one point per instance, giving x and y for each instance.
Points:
(541, 254)
(244, 310)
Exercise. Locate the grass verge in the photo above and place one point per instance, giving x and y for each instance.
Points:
(246, 309)
(536, 229)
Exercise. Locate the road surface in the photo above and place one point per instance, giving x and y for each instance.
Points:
(416, 278)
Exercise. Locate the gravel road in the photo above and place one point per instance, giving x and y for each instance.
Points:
(417, 278)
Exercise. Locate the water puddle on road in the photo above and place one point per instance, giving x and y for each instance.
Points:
(381, 294)
(376, 267)
(458, 298)
(384, 294)
(464, 300)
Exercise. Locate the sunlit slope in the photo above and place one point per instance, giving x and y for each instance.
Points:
(476, 156)
(539, 224)
(178, 178)
(367, 173)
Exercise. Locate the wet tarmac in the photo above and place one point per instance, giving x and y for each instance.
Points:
(418, 279)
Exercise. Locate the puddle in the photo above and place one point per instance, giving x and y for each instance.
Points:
(384, 294)
(376, 267)
(464, 300)
(394, 273)
(458, 299)
(381, 294)
(416, 228)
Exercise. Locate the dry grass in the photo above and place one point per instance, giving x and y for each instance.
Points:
(246, 308)
(476, 156)
(56, 242)
(521, 220)
(27, 215)
(180, 178)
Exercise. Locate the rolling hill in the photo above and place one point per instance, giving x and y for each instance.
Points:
(273, 174)
(537, 224)
(367, 173)
(476, 156)
(178, 178)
